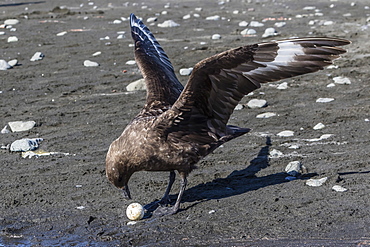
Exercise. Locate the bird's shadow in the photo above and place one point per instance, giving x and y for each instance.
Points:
(238, 182)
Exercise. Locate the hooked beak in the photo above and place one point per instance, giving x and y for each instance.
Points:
(126, 193)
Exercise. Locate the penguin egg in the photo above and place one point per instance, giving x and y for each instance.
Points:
(135, 211)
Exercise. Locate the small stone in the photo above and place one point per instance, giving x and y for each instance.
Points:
(282, 86)
(266, 115)
(243, 24)
(294, 168)
(88, 63)
(18, 126)
(4, 65)
(213, 18)
(248, 31)
(331, 85)
(324, 100)
(13, 62)
(5, 130)
(117, 22)
(80, 207)
(328, 23)
(275, 154)
(37, 56)
(316, 182)
(269, 32)
(2, 33)
(257, 103)
(136, 85)
(319, 126)
(11, 22)
(131, 62)
(216, 36)
(285, 133)
(339, 188)
(256, 24)
(342, 80)
(238, 107)
(185, 71)
(62, 33)
(151, 19)
(186, 17)
(12, 39)
(130, 223)
(212, 211)
(168, 23)
(25, 144)
(280, 24)
(96, 53)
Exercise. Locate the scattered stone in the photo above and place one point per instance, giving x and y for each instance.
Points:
(294, 168)
(331, 85)
(38, 153)
(131, 62)
(186, 17)
(96, 53)
(216, 36)
(328, 23)
(339, 188)
(80, 207)
(117, 22)
(266, 115)
(285, 133)
(280, 24)
(185, 71)
(11, 22)
(12, 39)
(213, 18)
(319, 126)
(256, 24)
(324, 100)
(151, 19)
(13, 62)
(18, 126)
(130, 223)
(5, 130)
(257, 103)
(248, 32)
(168, 23)
(342, 80)
(2, 33)
(88, 63)
(212, 211)
(37, 56)
(275, 154)
(25, 144)
(282, 86)
(4, 65)
(136, 85)
(269, 32)
(238, 107)
(243, 24)
(316, 182)
(323, 137)
(62, 33)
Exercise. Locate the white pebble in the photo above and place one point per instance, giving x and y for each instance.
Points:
(216, 36)
(131, 223)
(117, 22)
(282, 86)
(186, 71)
(316, 182)
(309, 8)
(186, 17)
(275, 154)
(131, 62)
(327, 23)
(257, 103)
(324, 100)
(4, 65)
(331, 85)
(238, 107)
(151, 19)
(339, 188)
(293, 168)
(12, 39)
(37, 56)
(96, 53)
(18, 126)
(248, 31)
(243, 24)
(266, 115)
(212, 211)
(136, 85)
(135, 211)
(80, 207)
(25, 144)
(342, 80)
(121, 36)
(11, 22)
(2, 33)
(319, 126)
(5, 130)
(285, 133)
(280, 24)
(88, 63)
(269, 32)
(256, 24)
(168, 23)
(198, 9)
(61, 33)
(213, 18)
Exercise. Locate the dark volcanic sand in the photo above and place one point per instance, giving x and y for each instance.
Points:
(81, 110)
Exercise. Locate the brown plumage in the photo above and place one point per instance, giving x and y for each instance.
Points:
(179, 126)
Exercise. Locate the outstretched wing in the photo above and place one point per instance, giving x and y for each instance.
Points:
(218, 83)
(163, 87)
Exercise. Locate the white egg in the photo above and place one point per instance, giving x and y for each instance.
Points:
(135, 211)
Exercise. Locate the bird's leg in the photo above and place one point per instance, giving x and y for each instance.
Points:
(172, 210)
(166, 198)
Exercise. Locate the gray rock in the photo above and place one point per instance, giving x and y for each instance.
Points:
(185, 71)
(25, 144)
(316, 182)
(88, 63)
(293, 168)
(13, 62)
(136, 85)
(12, 39)
(18, 126)
(257, 103)
(11, 22)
